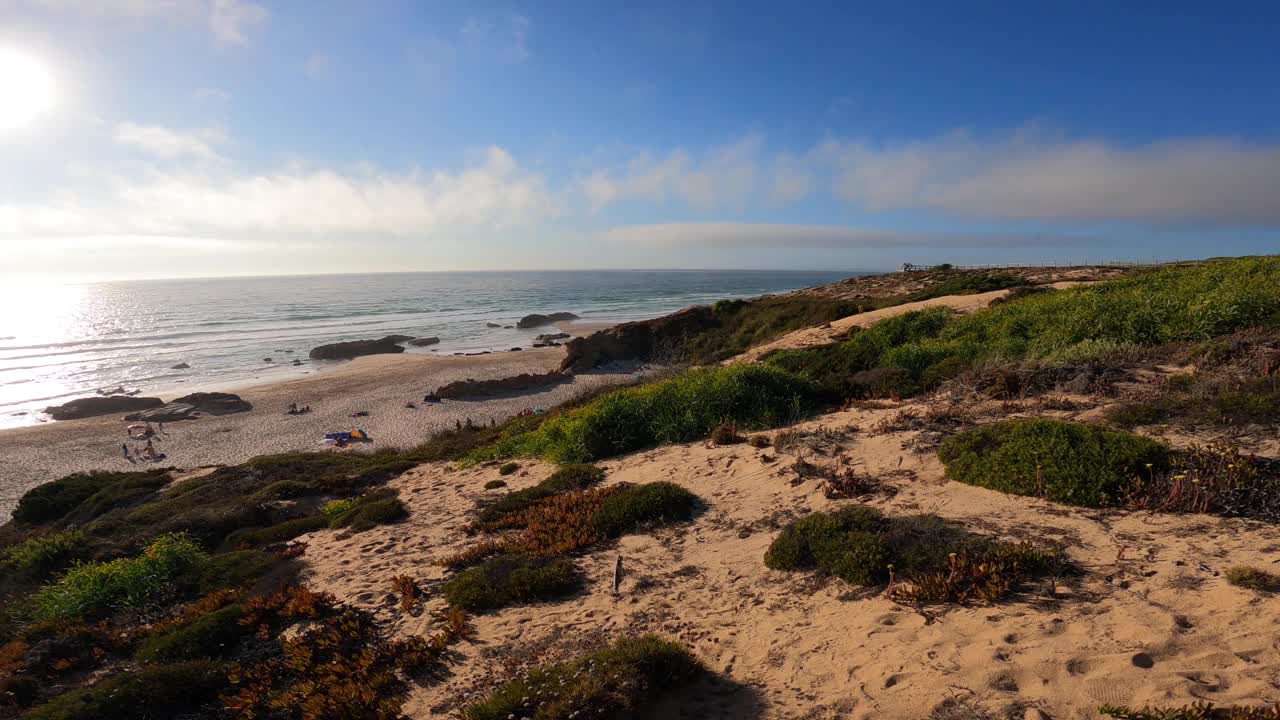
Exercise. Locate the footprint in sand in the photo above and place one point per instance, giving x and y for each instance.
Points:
(1111, 690)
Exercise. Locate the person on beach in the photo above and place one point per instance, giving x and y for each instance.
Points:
(125, 448)
(161, 427)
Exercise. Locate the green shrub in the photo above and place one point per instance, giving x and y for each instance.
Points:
(637, 505)
(508, 468)
(611, 682)
(738, 325)
(1253, 579)
(282, 490)
(54, 499)
(163, 691)
(511, 580)
(847, 543)
(1069, 326)
(566, 478)
(40, 556)
(1062, 461)
(209, 636)
(334, 508)
(925, 558)
(679, 409)
(378, 507)
(495, 484)
(1198, 711)
(236, 569)
(280, 532)
(168, 565)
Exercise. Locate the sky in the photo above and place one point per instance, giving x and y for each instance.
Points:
(171, 138)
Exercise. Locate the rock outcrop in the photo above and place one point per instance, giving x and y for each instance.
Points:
(424, 341)
(190, 407)
(538, 320)
(516, 383)
(94, 406)
(356, 348)
(180, 366)
(642, 340)
(492, 325)
(552, 337)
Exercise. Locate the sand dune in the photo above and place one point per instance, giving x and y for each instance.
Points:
(1153, 620)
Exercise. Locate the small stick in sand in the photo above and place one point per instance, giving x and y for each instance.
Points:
(617, 575)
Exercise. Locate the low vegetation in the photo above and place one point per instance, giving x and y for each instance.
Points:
(923, 559)
(1062, 461)
(566, 478)
(1253, 578)
(679, 409)
(1081, 324)
(376, 507)
(612, 682)
(169, 564)
(40, 555)
(571, 521)
(1206, 402)
(742, 324)
(158, 692)
(211, 635)
(1198, 711)
(511, 580)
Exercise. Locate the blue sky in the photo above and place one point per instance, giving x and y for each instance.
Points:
(209, 137)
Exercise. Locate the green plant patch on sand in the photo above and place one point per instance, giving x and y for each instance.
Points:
(1253, 578)
(169, 564)
(612, 682)
(1198, 711)
(566, 478)
(208, 636)
(1080, 324)
(164, 691)
(1065, 462)
(376, 507)
(924, 558)
(742, 324)
(511, 580)
(679, 409)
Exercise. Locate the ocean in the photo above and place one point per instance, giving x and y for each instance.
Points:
(70, 341)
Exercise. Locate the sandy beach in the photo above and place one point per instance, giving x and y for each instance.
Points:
(378, 384)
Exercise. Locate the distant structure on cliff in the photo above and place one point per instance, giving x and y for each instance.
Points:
(909, 267)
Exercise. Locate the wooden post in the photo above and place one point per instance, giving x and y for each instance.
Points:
(617, 575)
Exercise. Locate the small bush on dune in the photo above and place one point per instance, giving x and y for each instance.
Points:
(1061, 461)
(282, 490)
(280, 532)
(1198, 711)
(378, 507)
(53, 500)
(40, 556)
(508, 468)
(638, 505)
(495, 484)
(334, 508)
(511, 580)
(1253, 579)
(680, 409)
(610, 682)
(923, 558)
(169, 564)
(566, 478)
(163, 691)
(242, 568)
(209, 636)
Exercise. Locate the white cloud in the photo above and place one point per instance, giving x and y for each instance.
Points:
(169, 143)
(318, 65)
(1025, 176)
(726, 176)
(493, 192)
(504, 38)
(230, 21)
(731, 235)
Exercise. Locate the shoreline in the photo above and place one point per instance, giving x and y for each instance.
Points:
(380, 385)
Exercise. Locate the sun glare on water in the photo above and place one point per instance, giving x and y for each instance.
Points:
(26, 89)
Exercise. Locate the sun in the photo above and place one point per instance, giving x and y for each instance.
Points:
(26, 89)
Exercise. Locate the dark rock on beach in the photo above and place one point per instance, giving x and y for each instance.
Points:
(538, 320)
(517, 383)
(94, 406)
(423, 342)
(356, 348)
(180, 366)
(190, 407)
(640, 340)
(550, 337)
(492, 325)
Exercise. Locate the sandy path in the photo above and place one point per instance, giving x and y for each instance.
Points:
(380, 384)
(790, 647)
(810, 337)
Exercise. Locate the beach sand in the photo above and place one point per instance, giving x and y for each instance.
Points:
(379, 384)
(1153, 620)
